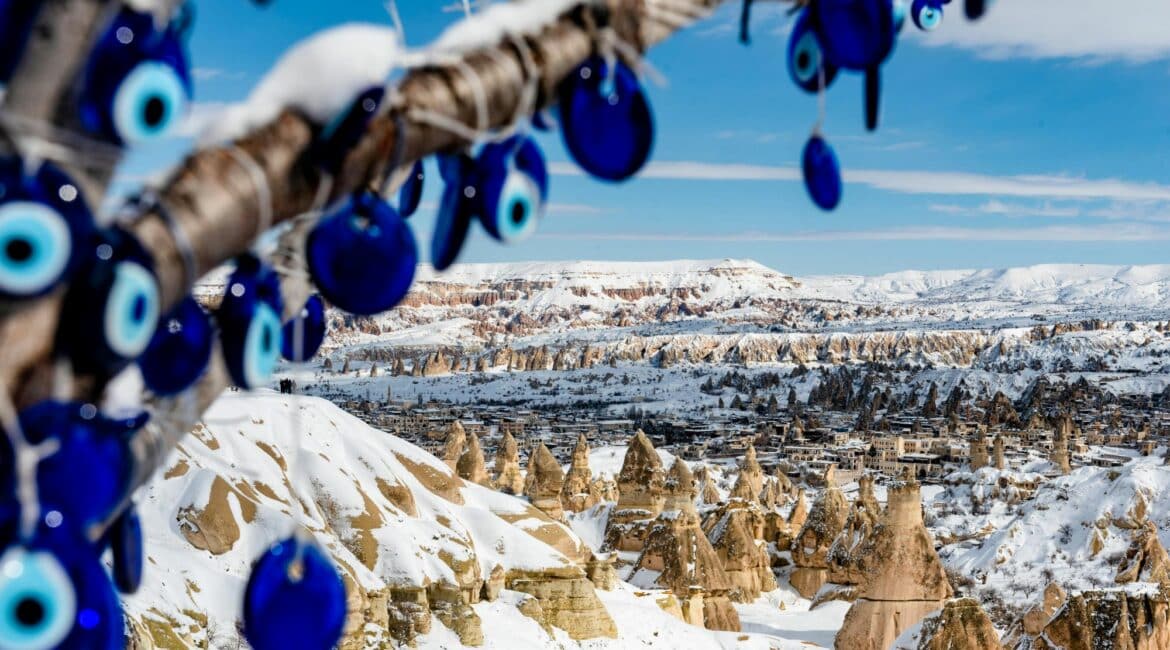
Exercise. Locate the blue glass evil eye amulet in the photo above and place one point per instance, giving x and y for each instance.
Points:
(112, 308)
(512, 188)
(976, 8)
(822, 174)
(410, 194)
(180, 349)
(362, 255)
(44, 227)
(855, 34)
(457, 208)
(249, 322)
(294, 599)
(605, 118)
(16, 22)
(54, 593)
(927, 14)
(345, 131)
(310, 320)
(806, 57)
(126, 550)
(137, 84)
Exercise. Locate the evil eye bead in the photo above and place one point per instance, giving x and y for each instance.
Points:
(44, 223)
(294, 599)
(456, 210)
(605, 119)
(806, 59)
(137, 84)
(410, 195)
(249, 323)
(927, 14)
(132, 308)
(310, 322)
(16, 22)
(38, 604)
(976, 8)
(342, 134)
(901, 11)
(112, 309)
(855, 34)
(822, 174)
(180, 349)
(125, 539)
(514, 184)
(149, 102)
(362, 256)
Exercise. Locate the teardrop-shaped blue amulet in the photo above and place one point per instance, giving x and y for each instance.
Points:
(410, 194)
(927, 14)
(605, 120)
(45, 225)
(347, 129)
(513, 187)
(136, 85)
(457, 208)
(294, 599)
(362, 255)
(249, 322)
(855, 34)
(125, 538)
(822, 174)
(112, 307)
(806, 58)
(310, 320)
(54, 593)
(16, 22)
(976, 8)
(89, 474)
(180, 349)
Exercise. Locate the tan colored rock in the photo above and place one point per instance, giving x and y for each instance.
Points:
(961, 625)
(577, 493)
(409, 613)
(799, 513)
(507, 466)
(602, 572)
(213, 528)
(471, 466)
(678, 489)
(640, 496)
(997, 451)
(979, 458)
(567, 600)
(544, 481)
(774, 495)
(1037, 618)
(904, 578)
(1059, 455)
(749, 468)
(736, 532)
(742, 490)
(455, 443)
(1145, 559)
(449, 605)
(708, 492)
(845, 563)
(1109, 620)
(810, 548)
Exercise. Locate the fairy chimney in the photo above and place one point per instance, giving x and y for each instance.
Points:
(578, 492)
(1059, 455)
(736, 531)
(962, 623)
(906, 581)
(471, 466)
(708, 493)
(979, 458)
(455, 442)
(544, 481)
(508, 477)
(750, 470)
(810, 549)
(679, 489)
(799, 513)
(1146, 559)
(846, 565)
(640, 498)
(1000, 463)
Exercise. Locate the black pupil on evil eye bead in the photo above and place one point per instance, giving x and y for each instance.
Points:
(266, 339)
(803, 60)
(138, 309)
(518, 212)
(154, 111)
(30, 611)
(18, 250)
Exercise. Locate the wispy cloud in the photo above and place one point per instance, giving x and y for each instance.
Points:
(1111, 232)
(914, 181)
(1134, 30)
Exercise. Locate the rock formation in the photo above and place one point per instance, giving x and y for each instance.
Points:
(750, 470)
(454, 443)
(1037, 618)
(471, 466)
(544, 481)
(810, 548)
(1108, 619)
(1000, 463)
(904, 578)
(578, 492)
(736, 530)
(679, 551)
(864, 516)
(1146, 559)
(962, 624)
(1059, 456)
(799, 512)
(640, 497)
(979, 458)
(508, 477)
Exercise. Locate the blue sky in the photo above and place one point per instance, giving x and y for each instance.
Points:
(1041, 135)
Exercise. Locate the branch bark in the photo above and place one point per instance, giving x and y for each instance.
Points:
(214, 200)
